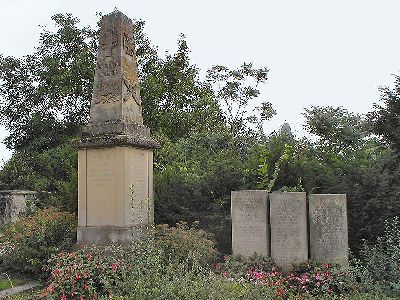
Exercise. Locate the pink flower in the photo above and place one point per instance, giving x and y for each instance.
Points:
(51, 289)
(114, 267)
(63, 297)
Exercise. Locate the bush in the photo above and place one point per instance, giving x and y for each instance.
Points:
(378, 268)
(306, 280)
(146, 267)
(185, 244)
(27, 244)
(86, 273)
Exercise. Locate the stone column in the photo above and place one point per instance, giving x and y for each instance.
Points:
(328, 229)
(115, 157)
(250, 232)
(288, 215)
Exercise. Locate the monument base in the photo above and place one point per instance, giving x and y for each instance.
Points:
(103, 235)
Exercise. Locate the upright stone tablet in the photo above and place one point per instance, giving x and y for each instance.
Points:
(288, 215)
(328, 229)
(250, 233)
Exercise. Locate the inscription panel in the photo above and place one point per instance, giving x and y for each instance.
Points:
(328, 229)
(140, 184)
(250, 232)
(103, 175)
(288, 215)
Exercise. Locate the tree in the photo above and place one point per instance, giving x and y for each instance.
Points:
(46, 95)
(384, 120)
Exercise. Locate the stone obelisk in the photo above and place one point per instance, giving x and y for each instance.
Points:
(115, 153)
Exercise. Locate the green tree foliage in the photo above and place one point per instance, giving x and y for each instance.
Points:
(384, 120)
(45, 96)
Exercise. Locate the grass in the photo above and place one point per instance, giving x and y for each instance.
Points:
(6, 284)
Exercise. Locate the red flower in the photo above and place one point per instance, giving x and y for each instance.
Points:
(78, 276)
(63, 297)
(327, 266)
(51, 289)
(114, 267)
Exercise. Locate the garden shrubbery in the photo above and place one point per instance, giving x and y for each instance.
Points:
(26, 245)
(185, 244)
(378, 268)
(180, 263)
(174, 263)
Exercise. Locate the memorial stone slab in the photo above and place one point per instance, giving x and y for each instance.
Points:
(288, 219)
(14, 202)
(250, 232)
(328, 229)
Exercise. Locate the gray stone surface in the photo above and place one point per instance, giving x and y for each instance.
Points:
(103, 235)
(250, 232)
(18, 289)
(116, 96)
(328, 229)
(116, 106)
(288, 219)
(14, 202)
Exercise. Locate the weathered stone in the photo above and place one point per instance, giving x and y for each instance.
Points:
(116, 96)
(14, 202)
(250, 232)
(115, 158)
(288, 219)
(328, 229)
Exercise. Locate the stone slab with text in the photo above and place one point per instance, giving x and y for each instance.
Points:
(328, 229)
(250, 232)
(288, 219)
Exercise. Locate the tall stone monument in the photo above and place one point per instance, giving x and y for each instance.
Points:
(250, 230)
(288, 217)
(115, 156)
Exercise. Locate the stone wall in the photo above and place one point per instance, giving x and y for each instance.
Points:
(14, 202)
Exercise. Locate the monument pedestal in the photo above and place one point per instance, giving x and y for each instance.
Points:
(115, 193)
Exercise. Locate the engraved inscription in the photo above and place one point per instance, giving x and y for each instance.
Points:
(328, 229)
(249, 223)
(127, 44)
(108, 37)
(288, 229)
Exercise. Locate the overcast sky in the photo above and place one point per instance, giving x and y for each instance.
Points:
(319, 52)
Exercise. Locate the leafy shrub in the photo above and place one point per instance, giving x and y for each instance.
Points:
(235, 266)
(86, 273)
(307, 280)
(378, 268)
(27, 244)
(185, 244)
(142, 268)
